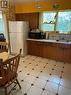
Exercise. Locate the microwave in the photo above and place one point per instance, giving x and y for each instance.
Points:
(34, 35)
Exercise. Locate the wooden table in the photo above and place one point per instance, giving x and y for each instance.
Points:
(4, 55)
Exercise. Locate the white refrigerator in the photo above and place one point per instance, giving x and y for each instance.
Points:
(18, 32)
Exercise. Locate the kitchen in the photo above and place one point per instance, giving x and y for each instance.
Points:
(46, 69)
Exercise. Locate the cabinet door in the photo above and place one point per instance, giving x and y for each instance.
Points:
(39, 49)
(67, 55)
(45, 51)
(64, 52)
(29, 47)
(60, 53)
(35, 48)
(50, 51)
(53, 51)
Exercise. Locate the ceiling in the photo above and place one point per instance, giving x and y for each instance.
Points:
(27, 1)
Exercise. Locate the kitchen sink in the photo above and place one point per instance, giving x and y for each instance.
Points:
(62, 41)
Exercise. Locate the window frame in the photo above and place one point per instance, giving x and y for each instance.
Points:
(56, 21)
(41, 20)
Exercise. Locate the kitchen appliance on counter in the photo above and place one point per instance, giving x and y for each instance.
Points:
(36, 35)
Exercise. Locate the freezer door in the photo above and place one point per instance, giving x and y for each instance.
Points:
(12, 26)
(13, 42)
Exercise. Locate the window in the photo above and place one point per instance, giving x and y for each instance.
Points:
(64, 22)
(56, 21)
(2, 24)
(48, 21)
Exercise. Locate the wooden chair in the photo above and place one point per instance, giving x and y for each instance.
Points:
(3, 47)
(8, 72)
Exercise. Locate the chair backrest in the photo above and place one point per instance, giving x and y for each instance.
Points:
(20, 51)
(8, 69)
(3, 46)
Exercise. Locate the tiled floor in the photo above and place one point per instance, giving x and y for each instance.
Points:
(41, 76)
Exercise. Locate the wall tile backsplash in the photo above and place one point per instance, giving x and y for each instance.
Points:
(66, 37)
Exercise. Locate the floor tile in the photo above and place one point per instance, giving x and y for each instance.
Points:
(30, 79)
(67, 68)
(56, 72)
(44, 76)
(16, 92)
(25, 87)
(40, 83)
(34, 91)
(67, 76)
(65, 83)
(55, 79)
(48, 93)
(64, 91)
(34, 73)
(51, 87)
(47, 70)
(21, 75)
(2, 92)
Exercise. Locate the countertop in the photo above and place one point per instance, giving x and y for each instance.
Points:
(51, 41)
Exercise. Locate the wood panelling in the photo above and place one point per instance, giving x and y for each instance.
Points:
(45, 6)
(32, 18)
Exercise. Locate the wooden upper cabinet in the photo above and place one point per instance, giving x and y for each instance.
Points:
(32, 18)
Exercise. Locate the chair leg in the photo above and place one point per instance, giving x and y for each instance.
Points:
(18, 83)
(5, 91)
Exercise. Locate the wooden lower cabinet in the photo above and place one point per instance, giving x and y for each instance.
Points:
(67, 54)
(55, 51)
(35, 48)
(59, 54)
(49, 51)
